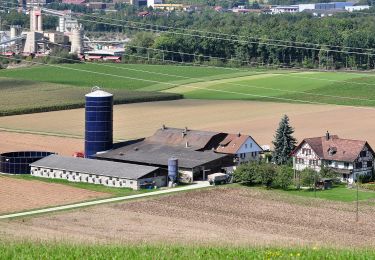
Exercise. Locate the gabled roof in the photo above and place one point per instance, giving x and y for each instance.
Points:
(92, 166)
(232, 143)
(178, 137)
(345, 150)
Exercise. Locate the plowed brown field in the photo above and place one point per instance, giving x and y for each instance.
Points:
(19, 195)
(222, 215)
(259, 119)
(31, 142)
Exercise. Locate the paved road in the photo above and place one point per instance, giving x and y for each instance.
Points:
(96, 202)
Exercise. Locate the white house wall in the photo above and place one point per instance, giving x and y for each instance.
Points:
(160, 181)
(249, 151)
(306, 158)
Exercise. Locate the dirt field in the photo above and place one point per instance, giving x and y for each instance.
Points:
(230, 216)
(256, 118)
(21, 142)
(18, 195)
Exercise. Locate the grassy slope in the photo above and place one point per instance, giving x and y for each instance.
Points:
(206, 83)
(122, 76)
(28, 250)
(285, 86)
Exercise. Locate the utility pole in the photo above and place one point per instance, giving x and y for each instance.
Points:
(315, 184)
(357, 215)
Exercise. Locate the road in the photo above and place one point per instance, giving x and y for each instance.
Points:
(97, 202)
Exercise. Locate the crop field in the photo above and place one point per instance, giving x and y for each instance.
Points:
(343, 88)
(122, 76)
(18, 194)
(259, 119)
(24, 96)
(220, 216)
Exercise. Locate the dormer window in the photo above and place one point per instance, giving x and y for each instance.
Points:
(332, 150)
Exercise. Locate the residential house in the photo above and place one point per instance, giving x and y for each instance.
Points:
(349, 158)
(243, 147)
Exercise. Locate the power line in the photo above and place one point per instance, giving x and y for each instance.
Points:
(220, 38)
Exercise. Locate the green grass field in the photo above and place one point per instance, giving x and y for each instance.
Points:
(342, 88)
(338, 193)
(122, 76)
(29, 250)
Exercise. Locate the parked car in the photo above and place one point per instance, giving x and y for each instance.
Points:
(219, 178)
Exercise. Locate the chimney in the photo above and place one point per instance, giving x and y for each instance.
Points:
(187, 144)
(327, 136)
(163, 127)
(239, 134)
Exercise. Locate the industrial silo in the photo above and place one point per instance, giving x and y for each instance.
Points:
(76, 41)
(172, 169)
(99, 122)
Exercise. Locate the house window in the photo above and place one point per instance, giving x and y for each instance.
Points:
(336, 164)
(313, 162)
(300, 160)
(358, 165)
(246, 146)
(369, 164)
(346, 165)
(363, 154)
(308, 151)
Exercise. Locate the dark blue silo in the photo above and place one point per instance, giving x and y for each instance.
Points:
(172, 169)
(99, 122)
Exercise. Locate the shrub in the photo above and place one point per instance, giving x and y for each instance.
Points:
(266, 174)
(284, 177)
(308, 177)
(247, 173)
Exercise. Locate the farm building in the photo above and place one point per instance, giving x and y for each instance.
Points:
(199, 152)
(243, 147)
(107, 173)
(193, 165)
(350, 158)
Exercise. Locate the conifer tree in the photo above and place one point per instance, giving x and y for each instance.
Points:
(284, 142)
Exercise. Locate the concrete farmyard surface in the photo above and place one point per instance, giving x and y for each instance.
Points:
(102, 201)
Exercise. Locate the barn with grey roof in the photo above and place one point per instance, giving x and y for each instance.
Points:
(113, 174)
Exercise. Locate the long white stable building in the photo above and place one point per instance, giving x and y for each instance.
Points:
(108, 173)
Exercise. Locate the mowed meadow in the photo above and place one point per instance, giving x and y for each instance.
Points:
(198, 82)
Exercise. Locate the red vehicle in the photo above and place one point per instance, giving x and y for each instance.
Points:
(79, 154)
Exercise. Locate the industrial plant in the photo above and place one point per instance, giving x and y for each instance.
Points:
(170, 156)
(69, 35)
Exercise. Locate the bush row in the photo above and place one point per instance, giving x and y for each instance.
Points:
(279, 176)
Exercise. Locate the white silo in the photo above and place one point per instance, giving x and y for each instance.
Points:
(76, 41)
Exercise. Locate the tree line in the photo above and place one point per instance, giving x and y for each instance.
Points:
(244, 40)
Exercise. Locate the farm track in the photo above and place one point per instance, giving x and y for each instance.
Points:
(220, 216)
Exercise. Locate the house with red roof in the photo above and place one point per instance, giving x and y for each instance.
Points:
(349, 158)
(243, 147)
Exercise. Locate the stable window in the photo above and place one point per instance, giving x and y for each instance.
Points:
(363, 154)
(369, 164)
(358, 165)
